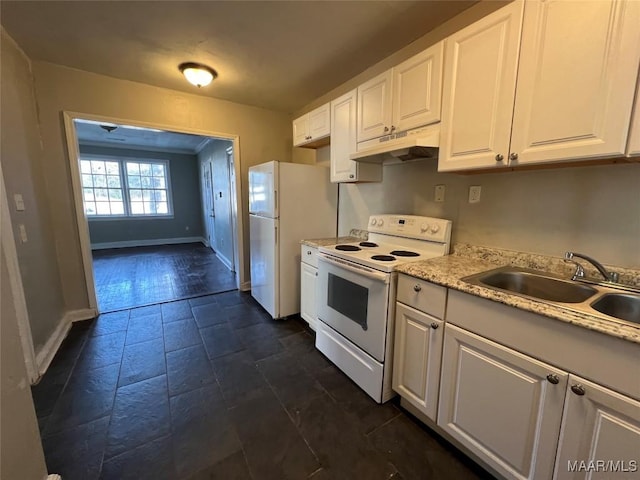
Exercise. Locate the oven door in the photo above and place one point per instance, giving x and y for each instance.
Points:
(353, 300)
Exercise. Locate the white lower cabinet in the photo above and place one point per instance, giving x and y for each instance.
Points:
(504, 406)
(308, 284)
(416, 362)
(600, 435)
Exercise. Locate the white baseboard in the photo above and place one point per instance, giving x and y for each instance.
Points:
(50, 348)
(245, 286)
(146, 243)
(224, 260)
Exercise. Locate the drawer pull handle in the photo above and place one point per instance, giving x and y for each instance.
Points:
(434, 325)
(417, 288)
(553, 378)
(578, 389)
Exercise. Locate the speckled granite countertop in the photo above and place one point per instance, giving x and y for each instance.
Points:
(468, 260)
(354, 236)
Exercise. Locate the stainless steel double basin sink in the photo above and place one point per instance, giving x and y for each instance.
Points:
(610, 301)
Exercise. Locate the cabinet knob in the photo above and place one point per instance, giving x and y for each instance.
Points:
(393, 128)
(578, 389)
(553, 378)
(499, 157)
(434, 325)
(417, 288)
(316, 274)
(351, 176)
(386, 129)
(513, 156)
(308, 252)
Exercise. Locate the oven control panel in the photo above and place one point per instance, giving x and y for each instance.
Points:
(411, 226)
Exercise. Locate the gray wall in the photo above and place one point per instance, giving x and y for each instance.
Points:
(22, 154)
(187, 207)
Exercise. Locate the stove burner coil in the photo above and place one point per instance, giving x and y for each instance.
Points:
(405, 253)
(348, 248)
(383, 258)
(368, 244)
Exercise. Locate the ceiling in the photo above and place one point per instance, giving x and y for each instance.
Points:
(123, 136)
(274, 54)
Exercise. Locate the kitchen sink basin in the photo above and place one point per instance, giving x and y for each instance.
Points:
(619, 305)
(533, 284)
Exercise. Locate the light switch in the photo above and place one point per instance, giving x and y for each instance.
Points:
(19, 202)
(23, 233)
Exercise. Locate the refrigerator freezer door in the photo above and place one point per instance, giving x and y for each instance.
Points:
(264, 262)
(263, 190)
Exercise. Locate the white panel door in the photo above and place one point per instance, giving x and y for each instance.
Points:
(264, 262)
(633, 147)
(417, 89)
(320, 122)
(598, 425)
(301, 130)
(343, 138)
(308, 282)
(481, 63)
(263, 190)
(574, 102)
(374, 107)
(504, 406)
(208, 203)
(416, 361)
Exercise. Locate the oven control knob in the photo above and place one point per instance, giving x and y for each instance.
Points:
(374, 221)
(435, 228)
(380, 222)
(424, 228)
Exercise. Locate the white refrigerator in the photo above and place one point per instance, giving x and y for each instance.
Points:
(288, 202)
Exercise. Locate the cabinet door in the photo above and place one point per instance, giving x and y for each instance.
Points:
(320, 122)
(417, 89)
(500, 404)
(598, 425)
(416, 361)
(575, 102)
(479, 90)
(308, 309)
(301, 130)
(374, 107)
(633, 148)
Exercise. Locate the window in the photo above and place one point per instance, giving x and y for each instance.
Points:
(125, 188)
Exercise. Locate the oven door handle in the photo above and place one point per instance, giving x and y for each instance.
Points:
(364, 271)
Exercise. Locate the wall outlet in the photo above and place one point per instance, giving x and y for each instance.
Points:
(439, 193)
(23, 233)
(474, 193)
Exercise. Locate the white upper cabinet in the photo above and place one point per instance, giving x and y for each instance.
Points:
(571, 102)
(374, 107)
(479, 91)
(575, 102)
(404, 97)
(417, 89)
(598, 424)
(343, 143)
(633, 148)
(312, 129)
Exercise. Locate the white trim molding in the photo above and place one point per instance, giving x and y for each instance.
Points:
(17, 289)
(245, 286)
(50, 348)
(147, 243)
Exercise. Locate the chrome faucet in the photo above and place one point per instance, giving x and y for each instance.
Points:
(579, 273)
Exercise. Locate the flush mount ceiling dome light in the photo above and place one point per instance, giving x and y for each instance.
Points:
(197, 74)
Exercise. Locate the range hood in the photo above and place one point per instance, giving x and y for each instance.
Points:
(417, 144)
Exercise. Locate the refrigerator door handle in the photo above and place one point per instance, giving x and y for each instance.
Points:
(276, 233)
(275, 202)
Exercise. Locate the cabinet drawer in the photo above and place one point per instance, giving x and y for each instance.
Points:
(422, 295)
(309, 255)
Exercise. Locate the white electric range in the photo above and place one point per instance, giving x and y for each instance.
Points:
(357, 293)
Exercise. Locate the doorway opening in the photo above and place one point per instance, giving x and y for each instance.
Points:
(143, 211)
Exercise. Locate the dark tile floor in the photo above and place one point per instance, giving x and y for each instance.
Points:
(132, 277)
(212, 388)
